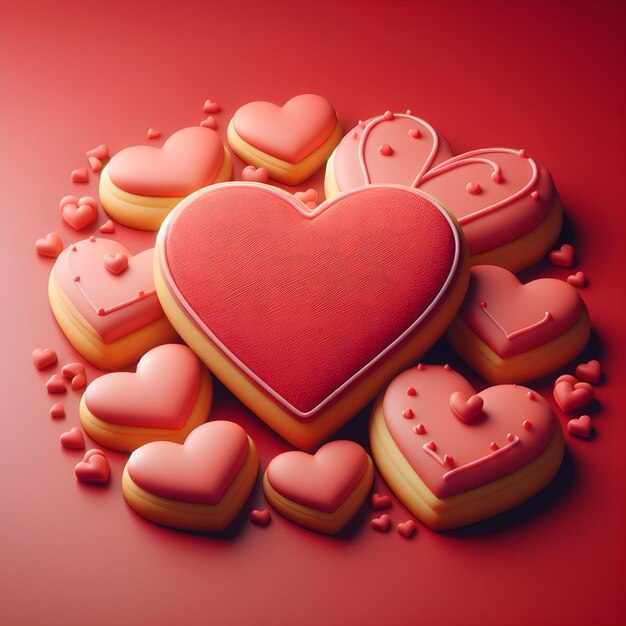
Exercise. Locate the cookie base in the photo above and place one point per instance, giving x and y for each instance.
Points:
(470, 506)
(190, 515)
(329, 523)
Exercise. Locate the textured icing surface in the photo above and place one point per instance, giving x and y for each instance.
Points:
(161, 394)
(114, 305)
(321, 481)
(452, 456)
(200, 471)
(290, 132)
(302, 300)
(188, 160)
(512, 318)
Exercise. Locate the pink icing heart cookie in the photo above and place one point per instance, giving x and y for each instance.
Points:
(451, 473)
(293, 309)
(141, 184)
(321, 491)
(110, 319)
(510, 332)
(199, 485)
(169, 395)
(504, 200)
(291, 142)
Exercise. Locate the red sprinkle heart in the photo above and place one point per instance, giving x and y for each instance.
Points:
(380, 502)
(79, 382)
(50, 246)
(44, 357)
(116, 263)
(260, 517)
(73, 369)
(100, 152)
(577, 280)
(209, 122)
(581, 426)
(563, 256)
(153, 133)
(590, 372)
(94, 468)
(466, 409)
(73, 439)
(95, 164)
(56, 384)
(407, 529)
(57, 410)
(108, 227)
(80, 175)
(382, 523)
(79, 213)
(473, 189)
(210, 107)
(577, 384)
(572, 397)
(308, 198)
(253, 174)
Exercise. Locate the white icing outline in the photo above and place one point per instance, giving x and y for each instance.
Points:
(308, 214)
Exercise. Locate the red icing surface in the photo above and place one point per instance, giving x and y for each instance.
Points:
(322, 480)
(511, 317)
(188, 160)
(160, 394)
(474, 462)
(199, 471)
(290, 132)
(322, 293)
(125, 311)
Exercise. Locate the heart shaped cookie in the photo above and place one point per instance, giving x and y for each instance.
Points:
(141, 184)
(169, 395)
(322, 491)
(110, 319)
(510, 332)
(291, 142)
(305, 314)
(449, 472)
(504, 200)
(199, 485)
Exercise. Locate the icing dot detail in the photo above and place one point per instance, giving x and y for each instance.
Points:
(354, 135)
(447, 367)
(74, 248)
(141, 293)
(473, 189)
(510, 437)
(431, 445)
(496, 176)
(494, 446)
(386, 150)
(92, 238)
(420, 429)
(522, 153)
(535, 195)
(361, 124)
(409, 112)
(448, 460)
(408, 414)
(527, 424)
(101, 312)
(531, 395)
(420, 366)
(411, 391)
(415, 133)
(76, 279)
(483, 305)
(388, 115)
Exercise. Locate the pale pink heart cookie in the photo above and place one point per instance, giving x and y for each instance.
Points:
(510, 332)
(504, 200)
(291, 142)
(141, 184)
(78, 212)
(322, 491)
(111, 319)
(454, 473)
(50, 246)
(250, 278)
(199, 485)
(94, 468)
(167, 397)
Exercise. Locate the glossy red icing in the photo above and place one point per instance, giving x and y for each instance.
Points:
(474, 463)
(511, 317)
(153, 133)
(290, 132)
(97, 289)
(322, 480)
(199, 471)
(322, 293)
(161, 394)
(188, 160)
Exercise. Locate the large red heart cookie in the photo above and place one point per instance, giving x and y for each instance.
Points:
(449, 471)
(306, 304)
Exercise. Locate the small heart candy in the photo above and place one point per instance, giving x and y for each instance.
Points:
(79, 213)
(590, 372)
(577, 280)
(153, 133)
(563, 256)
(49, 246)
(100, 152)
(95, 164)
(308, 198)
(79, 382)
(209, 122)
(80, 175)
(108, 227)
(116, 263)
(73, 439)
(260, 517)
(569, 397)
(94, 468)
(57, 410)
(580, 427)
(44, 357)
(253, 174)
(210, 107)
(381, 523)
(379, 502)
(466, 408)
(577, 384)
(73, 369)
(407, 529)
(56, 384)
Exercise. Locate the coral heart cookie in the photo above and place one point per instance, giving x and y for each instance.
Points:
(510, 332)
(451, 473)
(291, 142)
(504, 200)
(322, 491)
(111, 319)
(141, 184)
(305, 314)
(199, 485)
(169, 395)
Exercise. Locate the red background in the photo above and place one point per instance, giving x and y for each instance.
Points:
(546, 76)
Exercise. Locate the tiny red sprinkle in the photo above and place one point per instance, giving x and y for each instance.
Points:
(527, 424)
(411, 391)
